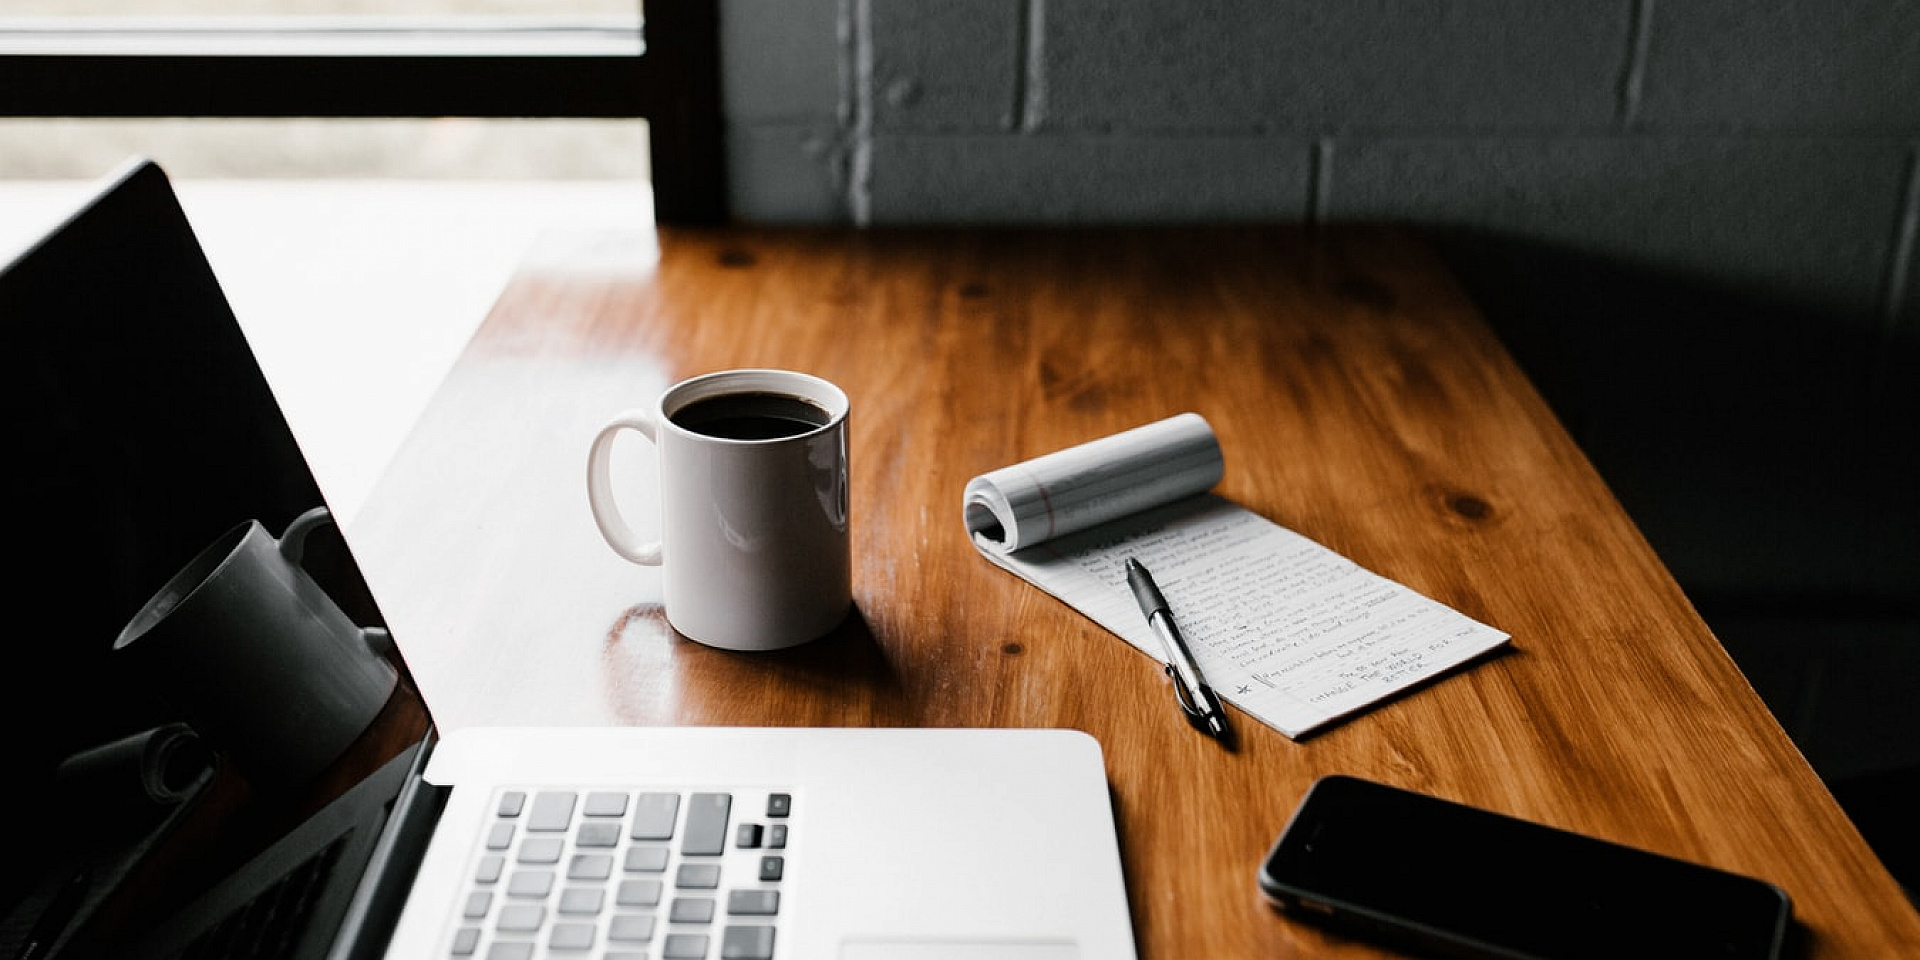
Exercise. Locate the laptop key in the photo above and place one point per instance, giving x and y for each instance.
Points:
(510, 950)
(747, 835)
(570, 936)
(602, 803)
(653, 816)
(697, 876)
(510, 803)
(478, 902)
(600, 833)
(753, 903)
(706, 824)
(466, 941)
(771, 869)
(691, 910)
(631, 928)
(500, 836)
(582, 901)
(527, 884)
(638, 893)
(647, 859)
(541, 850)
(552, 811)
(747, 943)
(779, 804)
(684, 946)
(590, 866)
(524, 918)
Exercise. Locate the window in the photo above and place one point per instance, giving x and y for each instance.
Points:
(513, 61)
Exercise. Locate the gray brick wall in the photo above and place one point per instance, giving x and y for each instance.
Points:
(1782, 65)
(1765, 144)
(1328, 65)
(1809, 219)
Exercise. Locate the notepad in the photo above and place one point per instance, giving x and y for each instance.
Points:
(1285, 629)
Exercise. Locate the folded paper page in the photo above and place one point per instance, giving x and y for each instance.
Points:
(1288, 631)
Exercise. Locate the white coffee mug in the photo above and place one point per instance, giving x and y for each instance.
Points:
(754, 548)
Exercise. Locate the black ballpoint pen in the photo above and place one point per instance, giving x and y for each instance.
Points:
(1196, 697)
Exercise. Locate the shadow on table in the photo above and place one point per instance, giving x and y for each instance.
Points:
(1769, 452)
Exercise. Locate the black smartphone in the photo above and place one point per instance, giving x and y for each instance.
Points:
(1445, 879)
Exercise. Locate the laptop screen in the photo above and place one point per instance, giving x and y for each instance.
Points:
(166, 747)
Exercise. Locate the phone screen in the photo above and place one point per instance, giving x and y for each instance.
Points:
(1416, 869)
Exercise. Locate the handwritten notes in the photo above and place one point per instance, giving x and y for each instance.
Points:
(1285, 629)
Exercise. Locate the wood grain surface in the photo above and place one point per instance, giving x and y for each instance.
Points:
(1360, 400)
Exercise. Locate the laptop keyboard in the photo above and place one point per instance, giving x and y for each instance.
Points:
(626, 875)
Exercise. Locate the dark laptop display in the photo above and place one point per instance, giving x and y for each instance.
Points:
(142, 429)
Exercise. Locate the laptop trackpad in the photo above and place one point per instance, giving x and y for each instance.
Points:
(958, 950)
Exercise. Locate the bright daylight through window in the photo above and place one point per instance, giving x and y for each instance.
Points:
(411, 141)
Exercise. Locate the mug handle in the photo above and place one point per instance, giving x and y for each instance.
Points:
(293, 543)
(606, 513)
(293, 547)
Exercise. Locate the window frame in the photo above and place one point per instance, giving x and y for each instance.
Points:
(669, 77)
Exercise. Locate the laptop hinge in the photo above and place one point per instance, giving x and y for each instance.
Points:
(375, 908)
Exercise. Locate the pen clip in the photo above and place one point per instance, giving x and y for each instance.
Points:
(1188, 703)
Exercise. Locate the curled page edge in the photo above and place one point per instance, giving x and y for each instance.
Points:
(1031, 502)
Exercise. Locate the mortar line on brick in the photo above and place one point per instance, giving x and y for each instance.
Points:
(1319, 179)
(1633, 77)
(1023, 42)
(1028, 83)
(860, 151)
(1906, 233)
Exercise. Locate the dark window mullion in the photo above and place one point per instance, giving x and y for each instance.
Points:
(295, 85)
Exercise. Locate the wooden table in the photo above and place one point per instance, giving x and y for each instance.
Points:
(1360, 400)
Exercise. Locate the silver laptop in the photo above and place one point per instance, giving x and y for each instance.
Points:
(148, 429)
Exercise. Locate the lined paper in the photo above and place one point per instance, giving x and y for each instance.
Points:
(1285, 629)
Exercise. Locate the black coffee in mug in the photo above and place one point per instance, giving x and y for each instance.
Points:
(751, 416)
